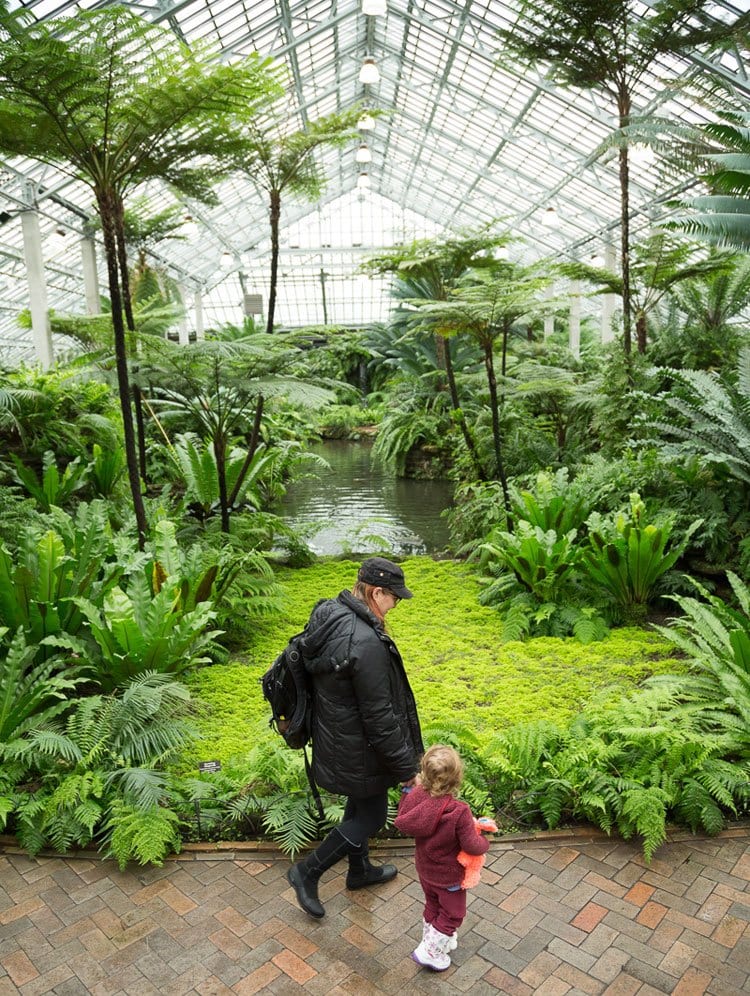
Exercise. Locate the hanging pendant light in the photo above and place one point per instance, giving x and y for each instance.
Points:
(189, 227)
(369, 74)
(363, 154)
(374, 8)
(226, 261)
(363, 181)
(366, 122)
(549, 219)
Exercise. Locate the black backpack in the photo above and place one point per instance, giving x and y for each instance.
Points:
(286, 688)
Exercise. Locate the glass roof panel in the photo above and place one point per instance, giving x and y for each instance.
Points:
(463, 138)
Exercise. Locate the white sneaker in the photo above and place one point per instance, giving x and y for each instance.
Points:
(433, 951)
(452, 941)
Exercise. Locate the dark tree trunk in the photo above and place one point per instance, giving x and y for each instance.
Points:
(108, 212)
(275, 216)
(489, 366)
(252, 447)
(122, 259)
(459, 416)
(641, 332)
(623, 107)
(220, 453)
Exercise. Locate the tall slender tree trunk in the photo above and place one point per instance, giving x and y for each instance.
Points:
(641, 331)
(459, 415)
(127, 301)
(489, 366)
(107, 204)
(252, 447)
(623, 108)
(275, 216)
(220, 453)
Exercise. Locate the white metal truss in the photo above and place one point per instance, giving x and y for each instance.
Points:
(464, 140)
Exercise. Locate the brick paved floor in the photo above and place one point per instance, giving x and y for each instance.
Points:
(551, 916)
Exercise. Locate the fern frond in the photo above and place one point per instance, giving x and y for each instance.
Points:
(143, 835)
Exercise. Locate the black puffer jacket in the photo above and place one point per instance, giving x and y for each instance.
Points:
(365, 734)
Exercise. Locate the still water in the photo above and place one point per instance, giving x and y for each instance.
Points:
(357, 508)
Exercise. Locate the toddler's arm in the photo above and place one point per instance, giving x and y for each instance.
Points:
(470, 841)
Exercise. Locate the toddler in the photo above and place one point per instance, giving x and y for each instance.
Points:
(443, 826)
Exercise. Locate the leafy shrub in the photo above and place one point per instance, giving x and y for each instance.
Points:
(196, 462)
(627, 766)
(715, 636)
(30, 690)
(95, 777)
(39, 586)
(477, 509)
(535, 568)
(275, 797)
(106, 470)
(626, 558)
(135, 632)
(347, 421)
(53, 488)
(57, 410)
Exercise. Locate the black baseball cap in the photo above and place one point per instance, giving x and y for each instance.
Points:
(384, 574)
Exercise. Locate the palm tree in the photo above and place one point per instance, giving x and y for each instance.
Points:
(429, 270)
(658, 265)
(114, 102)
(610, 45)
(723, 216)
(704, 322)
(489, 306)
(277, 161)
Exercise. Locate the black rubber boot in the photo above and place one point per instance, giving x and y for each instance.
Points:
(362, 873)
(305, 875)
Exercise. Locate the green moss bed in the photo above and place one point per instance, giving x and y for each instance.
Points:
(460, 671)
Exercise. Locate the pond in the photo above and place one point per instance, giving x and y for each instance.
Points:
(358, 508)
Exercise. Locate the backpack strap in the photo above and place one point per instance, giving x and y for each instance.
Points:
(313, 787)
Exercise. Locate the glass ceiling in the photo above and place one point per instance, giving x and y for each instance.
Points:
(465, 141)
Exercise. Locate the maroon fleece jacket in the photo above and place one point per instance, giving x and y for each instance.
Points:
(442, 827)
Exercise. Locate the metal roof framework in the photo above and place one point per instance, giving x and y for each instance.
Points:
(464, 141)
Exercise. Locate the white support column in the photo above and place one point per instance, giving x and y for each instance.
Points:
(549, 318)
(32, 248)
(182, 328)
(90, 276)
(609, 301)
(199, 329)
(574, 329)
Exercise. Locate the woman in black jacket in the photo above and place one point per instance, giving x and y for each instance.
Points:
(365, 733)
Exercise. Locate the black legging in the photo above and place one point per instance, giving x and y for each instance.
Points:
(363, 818)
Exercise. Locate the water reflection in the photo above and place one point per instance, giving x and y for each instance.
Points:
(356, 508)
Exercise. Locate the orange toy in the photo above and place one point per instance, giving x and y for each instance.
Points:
(473, 863)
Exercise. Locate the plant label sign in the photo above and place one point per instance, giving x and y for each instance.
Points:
(209, 766)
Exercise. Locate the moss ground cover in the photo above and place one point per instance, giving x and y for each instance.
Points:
(460, 671)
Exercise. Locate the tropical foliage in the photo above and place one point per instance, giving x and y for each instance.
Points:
(71, 88)
(722, 216)
(94, 776)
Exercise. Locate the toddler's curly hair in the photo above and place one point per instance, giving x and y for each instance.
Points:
(442, 770)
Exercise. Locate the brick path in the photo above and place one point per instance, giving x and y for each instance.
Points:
(553, 915)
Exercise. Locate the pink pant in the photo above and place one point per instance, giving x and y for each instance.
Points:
(443, 909)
